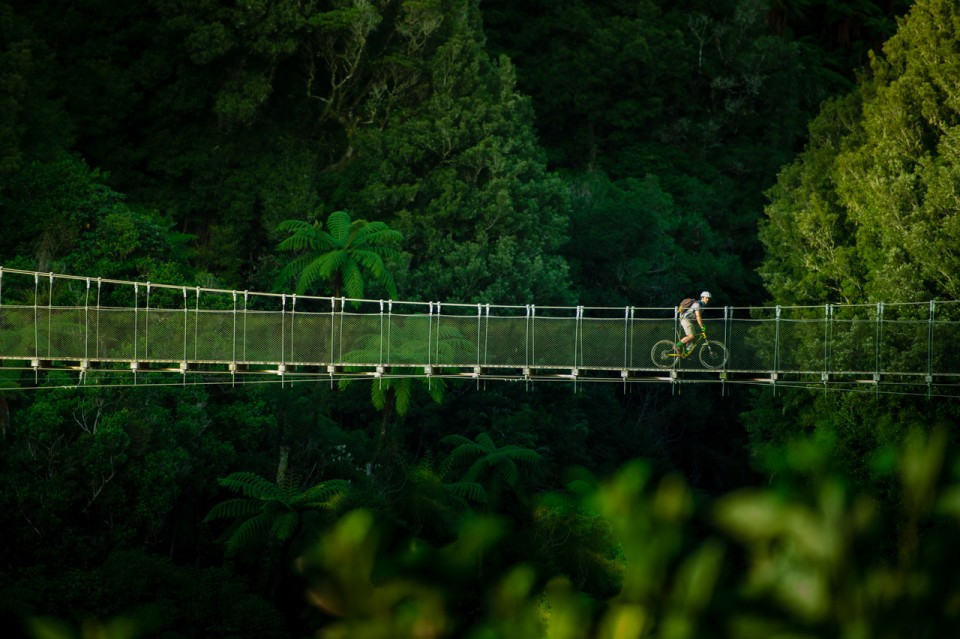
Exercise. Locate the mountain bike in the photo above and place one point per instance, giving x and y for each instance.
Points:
(713, 354)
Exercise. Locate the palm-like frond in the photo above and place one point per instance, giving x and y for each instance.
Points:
(250, 531)
(378, 392)
(485, 463)
(340, 253)
(315, 269)
(403, 392)
(376, 234)
(468, 490)
(284, 525)
(486, 442)
(505, 469)
(352, 278)
(252, 485)
(338, 224)
(303, 236)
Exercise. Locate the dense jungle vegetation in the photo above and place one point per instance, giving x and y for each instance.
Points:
(592, 152)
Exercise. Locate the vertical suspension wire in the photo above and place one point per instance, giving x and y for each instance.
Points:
(185, 331)
(333, 324)
(577, 345)
(86, 324)
(879, 337)
(776, 347)
(930, 323)
(389, 327)
(50, 317)
(380, 358)
(582, 318)
(99, 286)
(429, 334)
(283, 328)
(626, 338)
(293, 326)
(776, 340)
(577, 336)
(439, 363)
(136, 318)
(245, 296)
(196, 327)
(526, 341)
(343, 306)
(827, 324)
(479, 320)
(526, 357)
(486, 336)
(1, 287)
(36, 325)
(533, 336)
(233, 351)
(146, 326)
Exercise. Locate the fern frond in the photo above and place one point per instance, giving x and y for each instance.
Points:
(378, 393)
(456, 440)
(519, 453)
(507, 470)
(463, 453)
(285, 525)
(379, 234)
(338, 225)
(352, 279)
(469, 490)
(252, 485)
(247, 533)
(293, 225)
(402, 390)
(484, 440)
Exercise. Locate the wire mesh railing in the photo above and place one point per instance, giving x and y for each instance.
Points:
(47, 318)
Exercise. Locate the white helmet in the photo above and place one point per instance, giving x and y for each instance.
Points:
(706, 294)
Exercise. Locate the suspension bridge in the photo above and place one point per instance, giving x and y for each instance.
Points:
(102, 327)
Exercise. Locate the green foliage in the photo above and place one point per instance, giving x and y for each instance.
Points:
(456, 164)
(868, 201)
(807, 555)
(340, 254)
(482, 461)
(270, 510)
(867, 214)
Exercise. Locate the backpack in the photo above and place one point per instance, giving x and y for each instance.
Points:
(685, 305)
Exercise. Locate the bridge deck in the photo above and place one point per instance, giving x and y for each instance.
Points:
(59, 321)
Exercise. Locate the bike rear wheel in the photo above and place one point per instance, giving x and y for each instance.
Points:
(713, 354)
(663, 355)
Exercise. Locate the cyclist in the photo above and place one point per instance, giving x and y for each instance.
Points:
(686, 321)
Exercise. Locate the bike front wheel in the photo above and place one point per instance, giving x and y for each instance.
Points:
(663, 355)
(713, 354)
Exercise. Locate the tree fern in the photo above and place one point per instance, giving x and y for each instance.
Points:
(251, 485)
(487, 464)
(340, 255)
(248, 532)
(269, 509)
